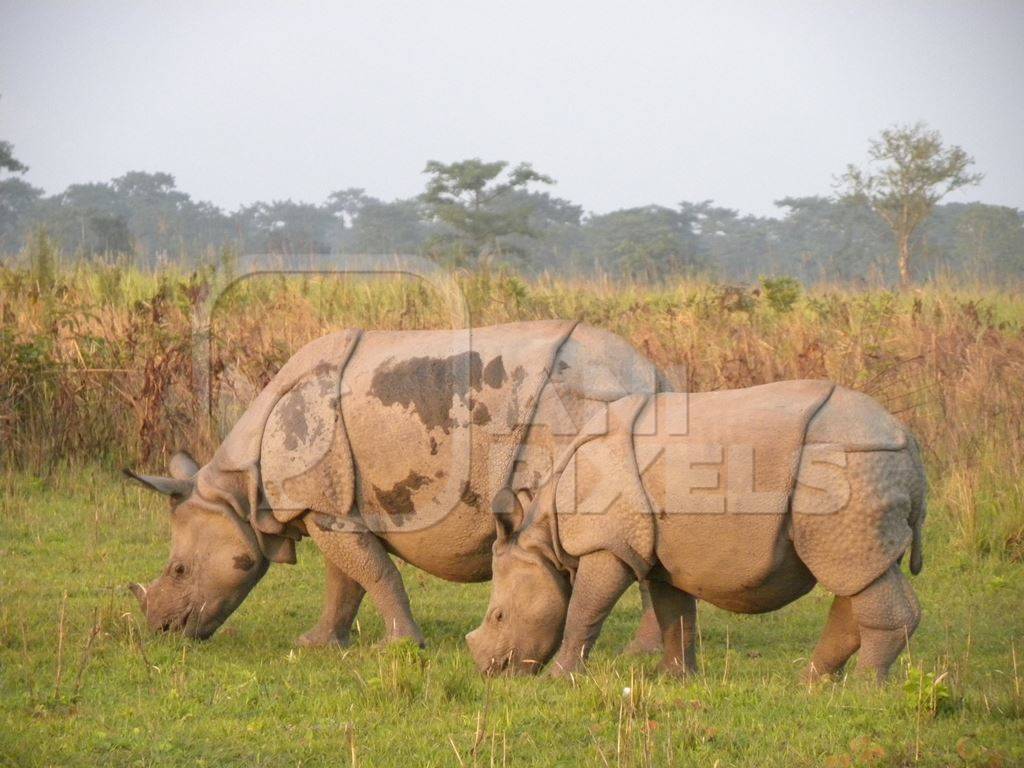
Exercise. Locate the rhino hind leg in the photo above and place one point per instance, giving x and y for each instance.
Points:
(838, 642)
(648, 634)
(361, 556)
(676, 613)
(887, 613)
(341, 604)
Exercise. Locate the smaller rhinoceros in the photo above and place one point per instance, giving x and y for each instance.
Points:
(743, 498)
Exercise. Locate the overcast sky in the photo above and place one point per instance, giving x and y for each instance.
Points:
(622, 103)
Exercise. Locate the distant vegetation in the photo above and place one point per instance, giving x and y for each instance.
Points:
(474, 212)
(96, 372)
(96, 362)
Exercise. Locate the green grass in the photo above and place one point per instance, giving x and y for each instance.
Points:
(92, 689)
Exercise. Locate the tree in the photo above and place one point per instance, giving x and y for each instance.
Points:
(468, 196)
(155, 213)
(984, 241)
(110, 234)
(346, 204)
(289, 227)
(909, 171)
(7, 160)
(69, 217)
(648, 243)
(823, 239)
(389, 228)
(734, 246)
(18, 200)
(554, 230)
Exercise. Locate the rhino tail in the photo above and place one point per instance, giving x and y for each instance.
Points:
(917, 509)
(916, 543)
(916, 552)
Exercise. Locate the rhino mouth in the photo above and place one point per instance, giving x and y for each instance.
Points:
(509, 665)
(185, 617)
(177, 624)
(200, 625)
(498, 666)
(191, 623)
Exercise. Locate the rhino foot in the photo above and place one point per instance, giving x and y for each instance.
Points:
(558, 672)
(812, 676)
(641, 645)
(648, 636)
(412, 639)
(674, 668)
(319, 637)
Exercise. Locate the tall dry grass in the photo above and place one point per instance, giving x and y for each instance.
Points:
(96, 362)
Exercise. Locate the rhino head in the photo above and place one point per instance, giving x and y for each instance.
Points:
(215, 557)
(525, 617)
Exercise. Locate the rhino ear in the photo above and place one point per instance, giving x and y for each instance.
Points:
(182, 466)
(169, 486)
(277, 549)
(508, 511)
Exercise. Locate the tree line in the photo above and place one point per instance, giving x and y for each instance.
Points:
(885, 223)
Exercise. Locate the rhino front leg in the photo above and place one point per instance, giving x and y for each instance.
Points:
(341, 604)
(361, 556)
(676, 613)
(887, 613)
(600, 581)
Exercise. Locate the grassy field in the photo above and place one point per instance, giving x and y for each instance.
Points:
(81, 685)
(96, 372)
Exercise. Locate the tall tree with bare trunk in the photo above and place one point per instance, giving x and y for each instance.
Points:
(909, 170)
(481, 206)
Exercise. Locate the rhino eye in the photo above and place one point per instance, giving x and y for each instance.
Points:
(179, 569)
(498, 615)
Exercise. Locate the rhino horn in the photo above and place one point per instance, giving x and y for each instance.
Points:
(140, 593)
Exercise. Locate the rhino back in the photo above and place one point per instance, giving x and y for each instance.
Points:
(857, 422)
(719, 471)
(601, 366)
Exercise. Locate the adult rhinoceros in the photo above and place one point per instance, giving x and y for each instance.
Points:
(378, 442)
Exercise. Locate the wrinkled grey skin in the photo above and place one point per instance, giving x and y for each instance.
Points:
(215, 561)
(359, 473)
(530, 593)
(851, 540)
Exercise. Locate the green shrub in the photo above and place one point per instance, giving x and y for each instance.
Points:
(927, 691)
(781, 293)
(43, 260)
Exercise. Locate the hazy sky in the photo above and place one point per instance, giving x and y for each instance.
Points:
(623, 103)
